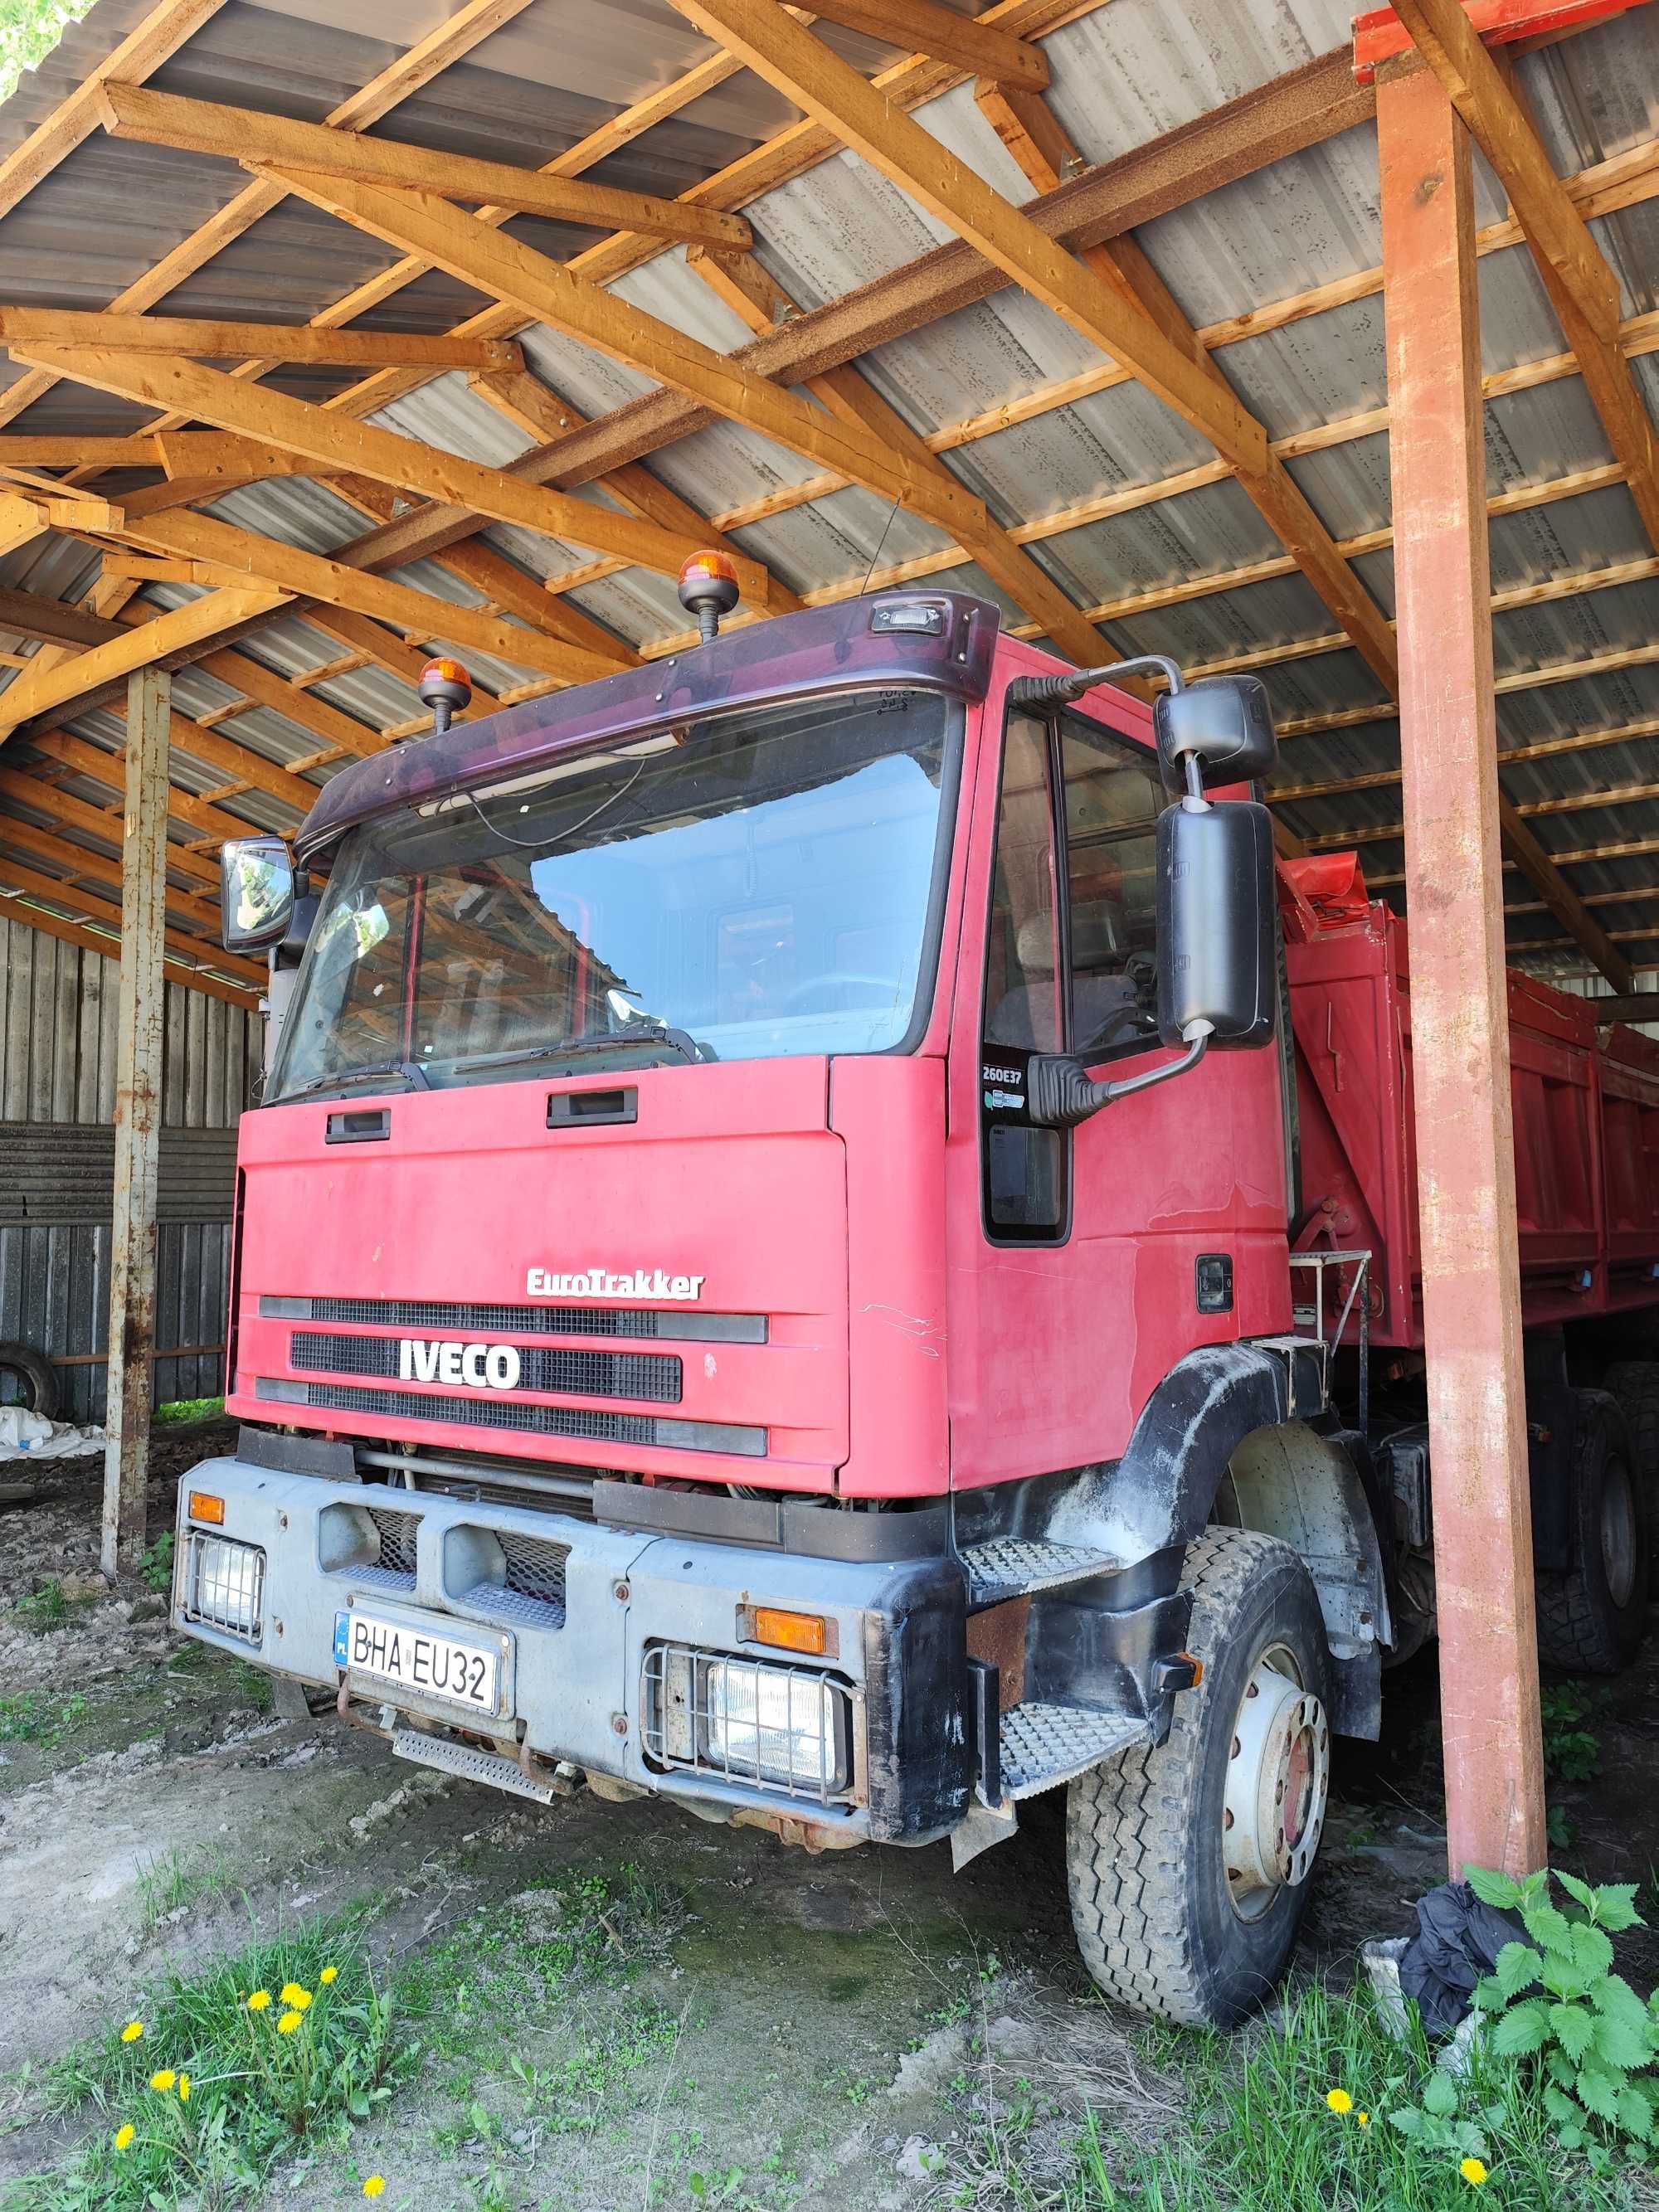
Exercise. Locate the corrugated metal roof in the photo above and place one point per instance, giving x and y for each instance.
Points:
(1123, 75)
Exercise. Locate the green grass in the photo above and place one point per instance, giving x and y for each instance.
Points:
(170, 1883)
(179, 1411)
(1261, 2138)
(31, 1718)
(47, 1608)
(257, 2096)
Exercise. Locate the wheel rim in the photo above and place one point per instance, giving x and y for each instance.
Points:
(1278, 1777)
(1619, 1532)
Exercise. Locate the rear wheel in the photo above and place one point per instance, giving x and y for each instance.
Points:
(1188, 1865)
(1635, 1384)
(1591, 1618)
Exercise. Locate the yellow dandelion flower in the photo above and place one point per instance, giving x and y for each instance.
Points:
(290, 1993)
(164, 2080)
(328, 1973)
(259, 2000)
(1339, 2100)
(1473, 2172)
(132, 2031)
(184, 2088)
(288, 2023)
(375, 2185)
(1363, 2119)
(299, 1999)
(124, 2136)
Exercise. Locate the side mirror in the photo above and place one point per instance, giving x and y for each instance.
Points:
(256, 892)
(1217, 970)
(1223, 723)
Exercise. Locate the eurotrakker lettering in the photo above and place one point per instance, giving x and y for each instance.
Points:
(653, 1283)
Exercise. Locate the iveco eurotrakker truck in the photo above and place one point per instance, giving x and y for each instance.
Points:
(826, 1238)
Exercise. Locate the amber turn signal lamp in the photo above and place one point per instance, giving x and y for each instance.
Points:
(709, 589)
(790, 1632)
(204, 1506)
(447, 688)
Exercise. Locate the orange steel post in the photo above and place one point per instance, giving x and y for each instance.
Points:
(1458, 1001)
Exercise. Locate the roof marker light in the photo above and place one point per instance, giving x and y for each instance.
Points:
(709, 589)
(447, 688)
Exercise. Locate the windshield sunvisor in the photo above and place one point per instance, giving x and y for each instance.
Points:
(847, 647)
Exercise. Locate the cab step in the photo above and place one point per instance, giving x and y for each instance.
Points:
(1042, 1746)
(475, 1766)
(1008, 1566)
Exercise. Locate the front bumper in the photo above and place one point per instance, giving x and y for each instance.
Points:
(591, 1622)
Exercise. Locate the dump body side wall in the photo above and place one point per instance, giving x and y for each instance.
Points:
(1586, 1119)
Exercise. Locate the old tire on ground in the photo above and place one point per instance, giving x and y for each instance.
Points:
(1635, 1384)
(20, 1365)
(1591, 1618)
(1186, 1899)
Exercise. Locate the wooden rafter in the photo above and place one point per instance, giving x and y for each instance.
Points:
(1046, 152)
(168, 27)
(1583, 288)
(537, 286)
(331, 440)
(802, 68)
(847, 393)
(71, 813)
(923, 27)
(199, 337)
(240, 134)
(73, 862)
(29, 693)
(98, 766)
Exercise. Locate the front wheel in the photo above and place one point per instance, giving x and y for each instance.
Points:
(1188, 1865)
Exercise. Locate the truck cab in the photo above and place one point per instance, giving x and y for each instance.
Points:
(763, 1276)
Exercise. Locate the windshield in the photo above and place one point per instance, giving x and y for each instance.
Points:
(737, 887)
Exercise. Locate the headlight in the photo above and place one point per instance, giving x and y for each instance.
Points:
(224, 1584)
(742, 1720)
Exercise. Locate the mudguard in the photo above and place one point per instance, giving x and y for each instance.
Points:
(1160, 1493)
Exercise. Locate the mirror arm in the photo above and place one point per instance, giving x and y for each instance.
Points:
(1041, 691)
(1061, 1094)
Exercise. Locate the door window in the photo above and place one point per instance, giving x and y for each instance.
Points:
(1113, 800)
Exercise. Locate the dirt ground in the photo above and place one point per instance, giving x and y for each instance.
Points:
(624, 2007)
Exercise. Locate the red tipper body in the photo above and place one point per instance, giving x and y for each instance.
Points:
(1586, 1118)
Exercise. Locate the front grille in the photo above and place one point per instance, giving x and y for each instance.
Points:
(655, 1377)
(531, 1591)
(398, 1535)
(455, 1319)
(493, 1413)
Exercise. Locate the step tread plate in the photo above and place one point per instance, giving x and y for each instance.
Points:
(1009, 1565)
(1043, 1745)
(467, 1760)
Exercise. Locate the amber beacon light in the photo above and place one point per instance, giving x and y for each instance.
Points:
(709, 589)
(447, 688)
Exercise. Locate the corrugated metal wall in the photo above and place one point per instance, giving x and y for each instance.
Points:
(58, 1012)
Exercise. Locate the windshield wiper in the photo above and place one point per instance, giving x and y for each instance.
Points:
(589, 1048)
(412, 1069)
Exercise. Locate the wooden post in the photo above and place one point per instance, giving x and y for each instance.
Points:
(1459, 997)
(137, 1117)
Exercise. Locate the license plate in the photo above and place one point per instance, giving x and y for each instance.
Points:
(431, 1661)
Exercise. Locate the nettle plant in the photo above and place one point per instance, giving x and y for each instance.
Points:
(1556, 1999)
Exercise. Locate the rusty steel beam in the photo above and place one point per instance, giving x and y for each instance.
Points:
(137, 1119)
(1459, 1010)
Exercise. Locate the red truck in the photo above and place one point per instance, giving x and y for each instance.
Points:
(826, 1239)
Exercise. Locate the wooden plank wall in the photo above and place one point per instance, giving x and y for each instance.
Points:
(58, 1064)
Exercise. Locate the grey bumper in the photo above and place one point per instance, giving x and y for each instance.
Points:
(591, 1636)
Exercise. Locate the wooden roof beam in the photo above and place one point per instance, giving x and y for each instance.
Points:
(71, 813)
(921, 26)
(1583, 288)
(847, 393)
(332, 440)
(75, 861)
(198, 336)
(240, 134)
(99, 766)
(804, 69)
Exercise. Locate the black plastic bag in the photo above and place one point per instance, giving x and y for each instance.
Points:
(1456, 1944)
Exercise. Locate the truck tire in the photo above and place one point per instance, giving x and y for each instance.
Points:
(1591, 1620)
(1188, 1885)
(1635, 1384)
(21, 1364)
